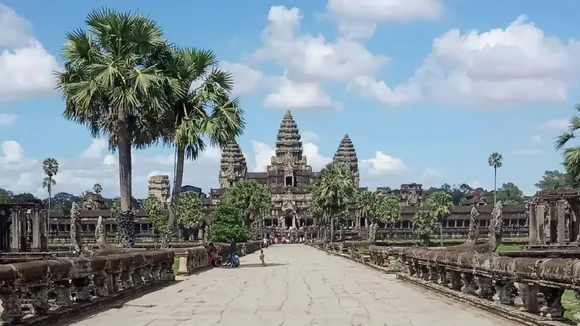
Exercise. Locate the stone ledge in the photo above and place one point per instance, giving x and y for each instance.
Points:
(70, 315)
(361, 261)
(508, 312)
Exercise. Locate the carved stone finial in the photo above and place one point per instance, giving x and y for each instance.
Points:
(473, 226)
(75, 228)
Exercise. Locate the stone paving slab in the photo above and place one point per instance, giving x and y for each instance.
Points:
(300, 286)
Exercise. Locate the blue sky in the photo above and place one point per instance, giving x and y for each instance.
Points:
(426, 89)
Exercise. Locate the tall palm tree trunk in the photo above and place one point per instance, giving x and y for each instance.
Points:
(331, 228)
(441, 233)
(126, 225)
(494, 185)
(175, 192)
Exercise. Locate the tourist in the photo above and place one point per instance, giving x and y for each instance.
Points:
(265, 242)
(212, 255)
(262, 257)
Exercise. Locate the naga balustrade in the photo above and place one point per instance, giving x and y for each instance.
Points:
(538, 282)
(44, 289)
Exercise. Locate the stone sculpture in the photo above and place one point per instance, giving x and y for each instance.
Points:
(473, 232)
(75, 228)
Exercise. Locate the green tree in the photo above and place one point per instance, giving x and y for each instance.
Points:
(554, 180)
(389, 209)
(156, 214)
(571, 155)
(97, 188)
(50, 167)
(367, 205)
(252, 200)
(5, 196)
(424, 225)
(227, 224)
(111, 84)
(208, 111)
(509, 194)
(189, 214)
(333, 192)
(439, 204)
(495, 161)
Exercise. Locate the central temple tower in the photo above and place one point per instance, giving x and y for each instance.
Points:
(290, 177)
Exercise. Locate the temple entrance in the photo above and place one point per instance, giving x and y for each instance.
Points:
(288, 219)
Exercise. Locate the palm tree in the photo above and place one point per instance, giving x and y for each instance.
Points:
(252, 200)
(389, 210)
(111, 84)
(366, 205)
(495, 160)
(50, 167)
(206, 111)
(333, 192)
(439, 204)
(571, 155)
(97, 188)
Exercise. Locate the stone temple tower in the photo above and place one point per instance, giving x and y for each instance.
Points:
(233, 165)
(288, 141)
(346, 154)
(159, 187)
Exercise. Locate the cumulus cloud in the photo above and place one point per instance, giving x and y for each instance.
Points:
(292, 95)
(358, 18)
(555, 125)
(23, 173)
(246, 78)
(7, 119)
(26, 68)
(518, 64)
(383, 164)
(532, 148)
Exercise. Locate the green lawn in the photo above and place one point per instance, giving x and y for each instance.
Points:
(508, 247)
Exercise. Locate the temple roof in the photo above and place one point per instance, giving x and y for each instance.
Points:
(232, 155)
(347, 154)
(288, 140)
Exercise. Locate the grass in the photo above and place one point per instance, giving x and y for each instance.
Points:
(571, 304)
(363, 250)
(175, 266)
(508, 248)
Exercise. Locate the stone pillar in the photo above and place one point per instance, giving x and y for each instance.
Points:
(561, 220)
(541, 219)
(35, 230)
(44, 222)
(294, 222)
(551, 232)
(23, 231)
(532, 225)
(14, 231)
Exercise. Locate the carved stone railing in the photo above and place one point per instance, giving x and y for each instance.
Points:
(194, 259)
(533, 285)
(40, 292)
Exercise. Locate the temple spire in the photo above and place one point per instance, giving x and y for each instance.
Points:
(233, 165)
(288, 139)
(347, 154)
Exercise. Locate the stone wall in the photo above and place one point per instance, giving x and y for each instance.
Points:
(44, 292)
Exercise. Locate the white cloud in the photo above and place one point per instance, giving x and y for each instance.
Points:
(309, 136)
(22, 173)
(246, 78)
(429, 177)
(555, 125)
(291, 95)
(533, 148)
(7, 119)
(390, 97)
(358, 18)
(516, 65)
(384, 164)
(26, 69)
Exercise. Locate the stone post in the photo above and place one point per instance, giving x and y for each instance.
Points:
(43, 229)
(35, 230)
(14, 230)
(541, 219)
(561, 220)
(23, 231)
(532, 224)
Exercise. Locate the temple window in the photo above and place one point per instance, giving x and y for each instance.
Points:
(289, 181)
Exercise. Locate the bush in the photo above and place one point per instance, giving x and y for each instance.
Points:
(227, 224)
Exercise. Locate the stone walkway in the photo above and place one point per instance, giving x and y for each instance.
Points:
(301, 286)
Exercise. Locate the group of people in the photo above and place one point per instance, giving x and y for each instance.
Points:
(233, 257)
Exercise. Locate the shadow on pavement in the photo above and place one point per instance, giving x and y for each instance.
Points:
(260, 265)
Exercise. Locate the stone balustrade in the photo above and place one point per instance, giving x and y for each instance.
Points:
(534, 285)
(40, 292)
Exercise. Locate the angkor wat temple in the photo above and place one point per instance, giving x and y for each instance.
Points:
(289, 180)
